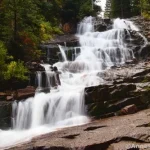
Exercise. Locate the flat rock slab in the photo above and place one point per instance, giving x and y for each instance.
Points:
(105, 134)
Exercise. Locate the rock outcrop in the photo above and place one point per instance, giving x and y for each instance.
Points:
(6, 101)
(143, 24)
(125, 86)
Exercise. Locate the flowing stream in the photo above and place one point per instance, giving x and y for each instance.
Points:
(64, 106)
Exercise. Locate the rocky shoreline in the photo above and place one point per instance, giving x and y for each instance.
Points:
(116, 133)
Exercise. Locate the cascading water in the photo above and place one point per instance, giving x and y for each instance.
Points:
(39, 79)
(62, 53)
(45, 113)
(101, 50)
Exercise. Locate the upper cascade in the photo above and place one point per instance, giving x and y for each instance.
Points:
(101, 50)
(86, 25)
(124, 24)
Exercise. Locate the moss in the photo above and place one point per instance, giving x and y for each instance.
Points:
(146, 79)
(97, 109)
(147, 88)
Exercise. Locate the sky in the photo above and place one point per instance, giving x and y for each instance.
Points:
(101, 3)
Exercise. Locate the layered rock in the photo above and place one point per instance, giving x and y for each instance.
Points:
(125, 86)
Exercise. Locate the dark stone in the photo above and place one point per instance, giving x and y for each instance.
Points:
(130, 109)
(145, 52)
(45, 90)
(123, 103)
(96, 109)
(96, 94)
(34, 66)
(122, 91)
(5, 114)
(24, 93)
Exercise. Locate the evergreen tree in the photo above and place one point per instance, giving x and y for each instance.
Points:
(23, 28)
(135, 7)
(120, 8)
(145, 8)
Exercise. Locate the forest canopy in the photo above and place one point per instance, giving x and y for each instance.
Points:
(129, 8)
(25, 24)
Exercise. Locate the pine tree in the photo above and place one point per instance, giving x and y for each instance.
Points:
(120, 8)
(135, 7)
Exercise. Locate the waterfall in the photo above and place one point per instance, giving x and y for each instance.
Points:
(86, 25)
(101, 50)
(64, 57)
(64, 106)
(39, 80)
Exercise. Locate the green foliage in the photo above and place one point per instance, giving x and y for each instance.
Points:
(3, 57)
(121, 8)
(77, 9)
(135, 7)
(145, 8)
(26, 24)
(87, 10)
(10, 69)
(46, 31)
(129, 8)
(16, 70)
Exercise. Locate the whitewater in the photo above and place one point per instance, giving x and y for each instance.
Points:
(64, 106)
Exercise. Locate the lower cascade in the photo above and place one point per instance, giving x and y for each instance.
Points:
(64, 105)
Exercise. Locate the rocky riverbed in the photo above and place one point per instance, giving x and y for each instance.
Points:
(115, 133)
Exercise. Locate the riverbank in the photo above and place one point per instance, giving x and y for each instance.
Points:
(122, 133)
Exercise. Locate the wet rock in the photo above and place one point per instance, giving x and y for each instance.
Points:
(64, 40)
(121, 91)
(5, 114)
(9, 98)
(130, 109)
(96, 109)
(96, 94)
(45, 90)
(114, 107)
(105, 99)
(131, 61)
(3, 96)
(145, 51)
(20, 94)
(34, 66)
